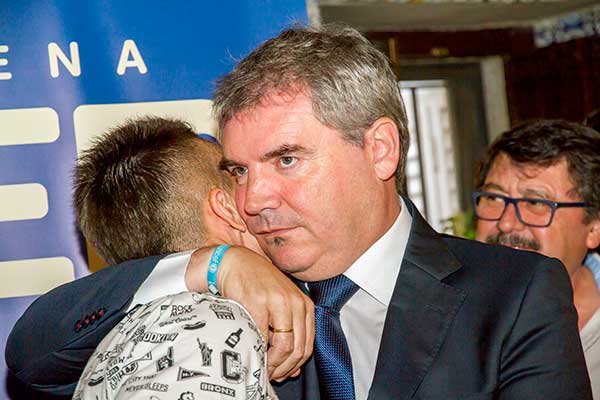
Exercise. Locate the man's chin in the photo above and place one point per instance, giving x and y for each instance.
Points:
(287, 259)
(295, 270)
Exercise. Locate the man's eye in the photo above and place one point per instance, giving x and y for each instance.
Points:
(238, 171)
(492, 198)
(535, 203)
(287, 161)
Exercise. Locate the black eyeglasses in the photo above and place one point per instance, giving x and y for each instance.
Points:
(532, 212)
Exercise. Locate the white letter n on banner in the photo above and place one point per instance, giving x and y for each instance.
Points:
(129, 47)
(72, 65)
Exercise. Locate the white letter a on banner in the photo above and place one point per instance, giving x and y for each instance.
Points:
(129, 48)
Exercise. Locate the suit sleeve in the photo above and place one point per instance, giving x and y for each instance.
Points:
(50, 344)
(543, 357)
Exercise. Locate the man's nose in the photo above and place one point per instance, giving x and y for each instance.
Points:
(261, 193)
(509, 221)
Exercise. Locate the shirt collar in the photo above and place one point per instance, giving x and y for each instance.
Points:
(377, 269)
(592, 261)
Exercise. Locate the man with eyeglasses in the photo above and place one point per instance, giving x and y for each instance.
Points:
(539, 189)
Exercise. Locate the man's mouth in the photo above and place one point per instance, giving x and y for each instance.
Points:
(273, 231)
(514, 241)
(517, 247)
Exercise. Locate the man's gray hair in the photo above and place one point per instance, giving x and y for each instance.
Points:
(349, 81)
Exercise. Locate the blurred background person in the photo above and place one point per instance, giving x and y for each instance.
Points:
(538, 190)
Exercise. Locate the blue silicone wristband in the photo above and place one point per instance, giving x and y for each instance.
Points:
(213, 267)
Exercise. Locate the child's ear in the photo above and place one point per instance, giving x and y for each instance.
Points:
(222, 205)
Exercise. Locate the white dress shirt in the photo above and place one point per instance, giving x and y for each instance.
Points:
(590, 334)
(362, 317)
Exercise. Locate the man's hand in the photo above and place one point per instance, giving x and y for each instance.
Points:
(270, 297)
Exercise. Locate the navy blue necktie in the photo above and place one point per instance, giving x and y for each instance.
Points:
(332, 356)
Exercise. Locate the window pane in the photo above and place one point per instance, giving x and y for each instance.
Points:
(431, 170)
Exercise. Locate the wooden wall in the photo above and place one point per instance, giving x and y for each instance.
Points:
(558, 81)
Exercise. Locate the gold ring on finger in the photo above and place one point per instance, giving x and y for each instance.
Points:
(275, 330)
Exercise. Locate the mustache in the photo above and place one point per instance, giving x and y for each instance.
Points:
(513, 240)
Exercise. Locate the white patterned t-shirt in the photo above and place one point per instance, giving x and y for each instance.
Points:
(187, 346)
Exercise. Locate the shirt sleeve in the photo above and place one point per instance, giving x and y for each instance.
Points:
(168, 277)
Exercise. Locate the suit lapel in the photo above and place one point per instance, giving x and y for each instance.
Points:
(420, 313)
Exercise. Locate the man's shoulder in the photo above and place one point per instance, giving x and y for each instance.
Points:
(499, 263)
(472, 250)
(508, 280)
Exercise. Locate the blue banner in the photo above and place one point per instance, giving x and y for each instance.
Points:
(69, 70)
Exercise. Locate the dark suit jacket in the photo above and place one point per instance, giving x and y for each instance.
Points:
(466, 321)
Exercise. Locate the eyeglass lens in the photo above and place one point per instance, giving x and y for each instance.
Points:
(530, 211)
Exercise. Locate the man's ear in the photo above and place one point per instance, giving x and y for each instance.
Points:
(383, 142)
(222, 205)
(593, 237)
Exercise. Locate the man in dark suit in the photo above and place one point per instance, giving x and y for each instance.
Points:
(314, 131)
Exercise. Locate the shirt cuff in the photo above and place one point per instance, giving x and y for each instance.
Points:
(168, 277)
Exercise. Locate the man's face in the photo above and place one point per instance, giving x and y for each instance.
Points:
(567, 238)
(303, 191)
